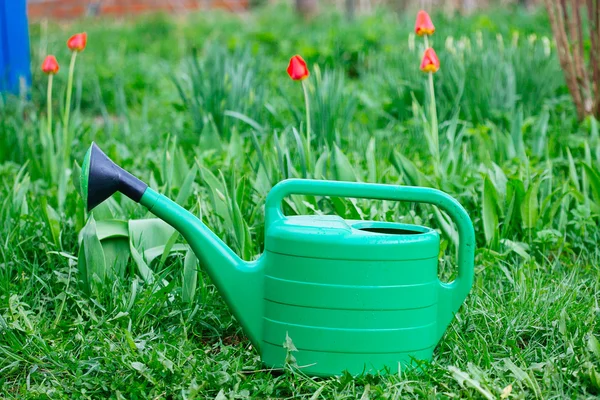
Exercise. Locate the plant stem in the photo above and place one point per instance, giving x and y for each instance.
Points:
(434, 121)
(305, 89)
(49, 103)
(66, 142)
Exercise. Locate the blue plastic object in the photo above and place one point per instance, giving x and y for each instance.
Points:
(14, 46)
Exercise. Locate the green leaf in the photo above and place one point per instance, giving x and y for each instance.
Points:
(515, 193)
(91, 261)
(406, 167)
(344, 169)
(145, 234)
(572, 170)
(594, 345)
(217, 194)
(152, 253)
(465, 380)
(371, 161)
(521, 249)
(530, 206)
(301, 151)
(490, 212)
(321, 165)
(52, 221)
(594, 180)
(116, 256)
(167, 248)
(189, 277)
(112, 229)
(187, 187)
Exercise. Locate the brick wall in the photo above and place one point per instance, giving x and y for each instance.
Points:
(66, 9)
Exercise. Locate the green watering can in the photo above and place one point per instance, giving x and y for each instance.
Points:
(355, 296)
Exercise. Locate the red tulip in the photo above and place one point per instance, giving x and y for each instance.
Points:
(297, 70)
(430, 62)
(77, 42)
(423, 25)
(50, 65)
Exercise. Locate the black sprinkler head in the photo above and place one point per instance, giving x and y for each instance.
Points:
(101, 178)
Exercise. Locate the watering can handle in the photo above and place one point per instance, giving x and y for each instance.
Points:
(452, 294)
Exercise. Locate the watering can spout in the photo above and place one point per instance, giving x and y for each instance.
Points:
(239, 282)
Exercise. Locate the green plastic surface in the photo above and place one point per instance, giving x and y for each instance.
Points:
(357, 296)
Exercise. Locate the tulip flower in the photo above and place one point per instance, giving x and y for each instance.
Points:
(423, 24)
(298, 71)
(50, 65)
(77, 42)
(430, 62)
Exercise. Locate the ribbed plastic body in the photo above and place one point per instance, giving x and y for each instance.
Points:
(350, 299)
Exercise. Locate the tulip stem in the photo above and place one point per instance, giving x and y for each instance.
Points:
(66, 141)
(49, 103)
(304, 87)
(434, 121)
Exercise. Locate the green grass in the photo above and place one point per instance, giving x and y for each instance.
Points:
(203, 111)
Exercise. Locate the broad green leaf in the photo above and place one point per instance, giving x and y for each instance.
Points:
(187, 187)
(112, 229)
(52, 221)
(406, 167)
(91, 260)
(499, 180)
(321, 165)
(108, 209)
(344, 169)
(490, 212)
(572, 170)
(465, 380)
(594, 345)
(143, 269)
(151, 232)
(240, 227)
(116, 256)
(593, 375)
(216, 192)
(301, 151)
(152, 253)
(594, 180)
(181, 169)
(445, 224)
(541, 130)
(523, 376)
(521, 249)
(235, 150)
(75, 177)
(371, 161)
(189, 277)
(167, 248)
(530, 206)
(146, 234)
(515, 193)
(244, 118)
(262, 184)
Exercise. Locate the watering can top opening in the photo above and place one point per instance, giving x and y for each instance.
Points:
(330, 236)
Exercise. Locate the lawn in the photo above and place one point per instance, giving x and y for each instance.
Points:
(202, 109)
